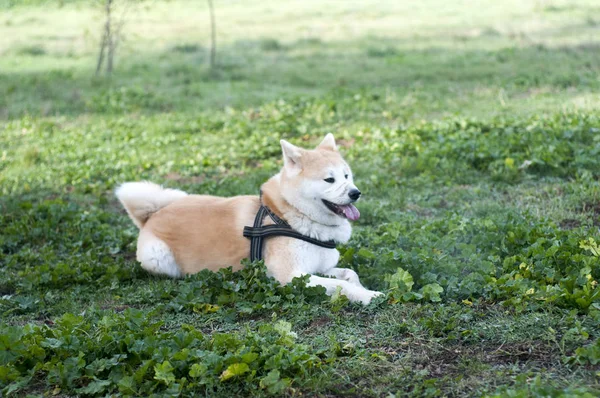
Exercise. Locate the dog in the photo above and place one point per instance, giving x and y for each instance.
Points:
(311, 201)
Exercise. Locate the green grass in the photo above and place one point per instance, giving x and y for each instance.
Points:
(426, 59)
(474, 134)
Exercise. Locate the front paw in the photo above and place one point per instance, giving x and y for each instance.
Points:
(369, 295)
(351, 277)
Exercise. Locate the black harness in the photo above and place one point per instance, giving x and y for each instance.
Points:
(258, 232)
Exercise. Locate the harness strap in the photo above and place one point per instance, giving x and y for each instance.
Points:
(257, 233)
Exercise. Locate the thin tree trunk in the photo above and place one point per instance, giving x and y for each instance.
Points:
(111, 53)
(101, 55)
(111, 39)
(213, 35)
(106, 41)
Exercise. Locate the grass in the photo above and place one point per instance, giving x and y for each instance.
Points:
(473, 133)
(499, 59)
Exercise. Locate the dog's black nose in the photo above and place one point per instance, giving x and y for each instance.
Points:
(354, 194)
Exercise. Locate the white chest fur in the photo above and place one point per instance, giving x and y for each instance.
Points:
(286, 258)
(314, 259)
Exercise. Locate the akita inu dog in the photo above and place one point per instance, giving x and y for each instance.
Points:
(309, 204)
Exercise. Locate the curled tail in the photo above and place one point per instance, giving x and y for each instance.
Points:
(142, 199)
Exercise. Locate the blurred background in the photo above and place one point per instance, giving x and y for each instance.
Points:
(426, 59)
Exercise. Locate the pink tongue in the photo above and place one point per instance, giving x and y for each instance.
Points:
(350, 212)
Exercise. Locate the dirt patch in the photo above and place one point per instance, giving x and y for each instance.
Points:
(420, 211)
(569, 223)
(127, 255)
(319, 322)
(185, 179)
(442, 204)
(420, 354)
(519, 352)
(116, 308)
(594, 209)
(346, 143)
(6, 289)
(443, 361)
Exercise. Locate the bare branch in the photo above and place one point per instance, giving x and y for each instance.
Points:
(106, 39)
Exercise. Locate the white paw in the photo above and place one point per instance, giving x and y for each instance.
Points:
(368, 295)
(350, 276)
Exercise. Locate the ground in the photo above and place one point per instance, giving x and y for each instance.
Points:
(473, 133)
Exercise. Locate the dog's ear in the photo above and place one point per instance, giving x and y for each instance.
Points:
(328, 143)
(291, 156)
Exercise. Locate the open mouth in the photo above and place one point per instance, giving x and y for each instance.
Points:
(349, 211)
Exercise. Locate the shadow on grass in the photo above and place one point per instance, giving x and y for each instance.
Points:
(64, 238)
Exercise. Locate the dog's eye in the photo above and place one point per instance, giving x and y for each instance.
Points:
(330, 180)
(346, 176)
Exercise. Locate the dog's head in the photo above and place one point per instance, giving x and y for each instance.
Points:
(319, 182)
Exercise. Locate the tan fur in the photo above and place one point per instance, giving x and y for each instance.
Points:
(205, 232)
(319, 160)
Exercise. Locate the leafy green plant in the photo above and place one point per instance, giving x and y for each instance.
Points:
(89, 355)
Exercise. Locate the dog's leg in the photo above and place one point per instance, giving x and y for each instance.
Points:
(350, 290)
(345, 274)
(155, 256)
